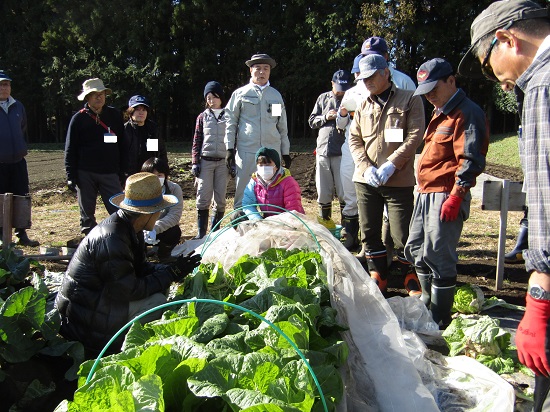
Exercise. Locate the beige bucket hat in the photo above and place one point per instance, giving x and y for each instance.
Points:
(93, 85)
(143, 194)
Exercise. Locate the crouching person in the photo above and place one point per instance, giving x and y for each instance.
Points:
(271, 185)
(109, 282)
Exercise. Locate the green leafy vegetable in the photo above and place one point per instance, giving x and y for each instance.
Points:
(468, 299)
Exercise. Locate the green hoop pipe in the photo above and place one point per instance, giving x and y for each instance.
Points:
(208, 242)
(217, 302)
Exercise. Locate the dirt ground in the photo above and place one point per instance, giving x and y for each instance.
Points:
(55, 219)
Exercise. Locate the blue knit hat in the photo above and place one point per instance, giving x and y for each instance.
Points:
(271, 154)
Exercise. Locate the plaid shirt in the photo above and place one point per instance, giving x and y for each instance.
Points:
(533, 95)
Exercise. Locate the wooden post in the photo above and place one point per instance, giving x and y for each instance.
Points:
(7, 220)
(503, 196)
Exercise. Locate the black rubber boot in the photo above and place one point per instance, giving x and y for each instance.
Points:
(325, 211)
(516, 255)
(351, 226)
(376, 265)
(442, 299)
(425, 280)
(216, 217)
(202, 223)
(23, 238)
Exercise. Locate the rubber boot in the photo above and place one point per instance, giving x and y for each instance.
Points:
(216, 218)
(325, 211)
(386, 238)
(425, 280)
(202, 223)
(410, 280)
(23, 238)
(516, 255)
(376, 265)
(442, 299)
(351, 226)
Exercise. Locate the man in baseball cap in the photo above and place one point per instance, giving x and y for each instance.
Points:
(511, 45)
(447, 169)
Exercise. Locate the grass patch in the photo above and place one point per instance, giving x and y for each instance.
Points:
(503, 150)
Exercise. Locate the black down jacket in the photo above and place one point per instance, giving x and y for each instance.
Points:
(107, 271)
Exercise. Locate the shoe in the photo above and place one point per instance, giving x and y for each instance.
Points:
(23, 239)
(412, 285)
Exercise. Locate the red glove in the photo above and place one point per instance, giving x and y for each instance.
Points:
(531, 336)
(450, 208)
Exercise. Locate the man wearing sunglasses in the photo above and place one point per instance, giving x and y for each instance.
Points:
(511, 44)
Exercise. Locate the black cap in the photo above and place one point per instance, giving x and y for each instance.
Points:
(342, 80)
(215, 88)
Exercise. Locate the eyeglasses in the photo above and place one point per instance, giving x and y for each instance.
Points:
(486, 68)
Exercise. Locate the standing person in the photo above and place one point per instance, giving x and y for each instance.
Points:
(109, 281)
(385, 132)
(14, 177)
(511, 45)
(95, 152)
(455, 145)
(351, 100)
(141, 137)
(166, 233)
(329, 148)
(256, 117)
(208, 154)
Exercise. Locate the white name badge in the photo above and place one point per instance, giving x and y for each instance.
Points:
(393, 135)
(109, 138)
(152, 145)
(276, 109)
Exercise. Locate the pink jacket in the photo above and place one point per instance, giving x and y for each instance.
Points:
(283, 191)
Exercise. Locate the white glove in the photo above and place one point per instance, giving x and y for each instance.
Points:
(385, 172)
(151, 237)
(371, 177)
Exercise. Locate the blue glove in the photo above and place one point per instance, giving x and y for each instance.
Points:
(371, 177)
(385, 172)
(196, 170)
(151, 237)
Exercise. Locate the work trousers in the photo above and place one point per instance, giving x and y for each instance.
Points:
(212, 184)
(327, 179)
(371, 201)
(347, 167)
(14, 178)
(432, 244)
(89, 185)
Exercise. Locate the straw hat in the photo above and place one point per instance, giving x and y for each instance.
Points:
(92, 85)
(143, 194)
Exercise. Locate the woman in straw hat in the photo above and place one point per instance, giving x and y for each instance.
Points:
(109, 282)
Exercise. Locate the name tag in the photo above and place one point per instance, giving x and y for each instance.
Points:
(152, 145)
(276, 109)
(109, 138)
(393, 135)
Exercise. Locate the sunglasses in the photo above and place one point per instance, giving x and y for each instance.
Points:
(486, 68)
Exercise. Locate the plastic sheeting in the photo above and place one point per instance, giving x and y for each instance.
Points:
(379, 375)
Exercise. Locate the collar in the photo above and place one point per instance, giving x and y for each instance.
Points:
(541, 60)
(258, 86)
(545, 45)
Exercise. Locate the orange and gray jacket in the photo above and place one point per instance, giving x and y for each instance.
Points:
(456, 143)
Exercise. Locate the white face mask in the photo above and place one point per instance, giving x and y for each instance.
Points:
(266, 172)
(161, 181)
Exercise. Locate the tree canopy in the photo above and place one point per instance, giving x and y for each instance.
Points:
(168, 50)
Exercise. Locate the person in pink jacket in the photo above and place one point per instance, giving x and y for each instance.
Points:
(271, 184)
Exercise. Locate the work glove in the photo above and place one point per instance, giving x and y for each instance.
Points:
(150, 237)
(185, 264)
(450, 208)
(384, 172)
(71, 185)
(196, 170)
(230, 158)
(371, 177)
(287, 161)
(531, 336)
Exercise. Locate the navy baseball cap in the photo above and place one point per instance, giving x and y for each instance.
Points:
(374, 45)
(138, 100)
(430, 72)
(4, 76)
(342, 80)
(355, 68)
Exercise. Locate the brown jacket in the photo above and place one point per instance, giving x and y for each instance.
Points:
(367, 143)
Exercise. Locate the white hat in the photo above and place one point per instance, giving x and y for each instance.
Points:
(92, 85)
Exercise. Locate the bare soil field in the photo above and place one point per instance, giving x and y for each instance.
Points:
(55, 219)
